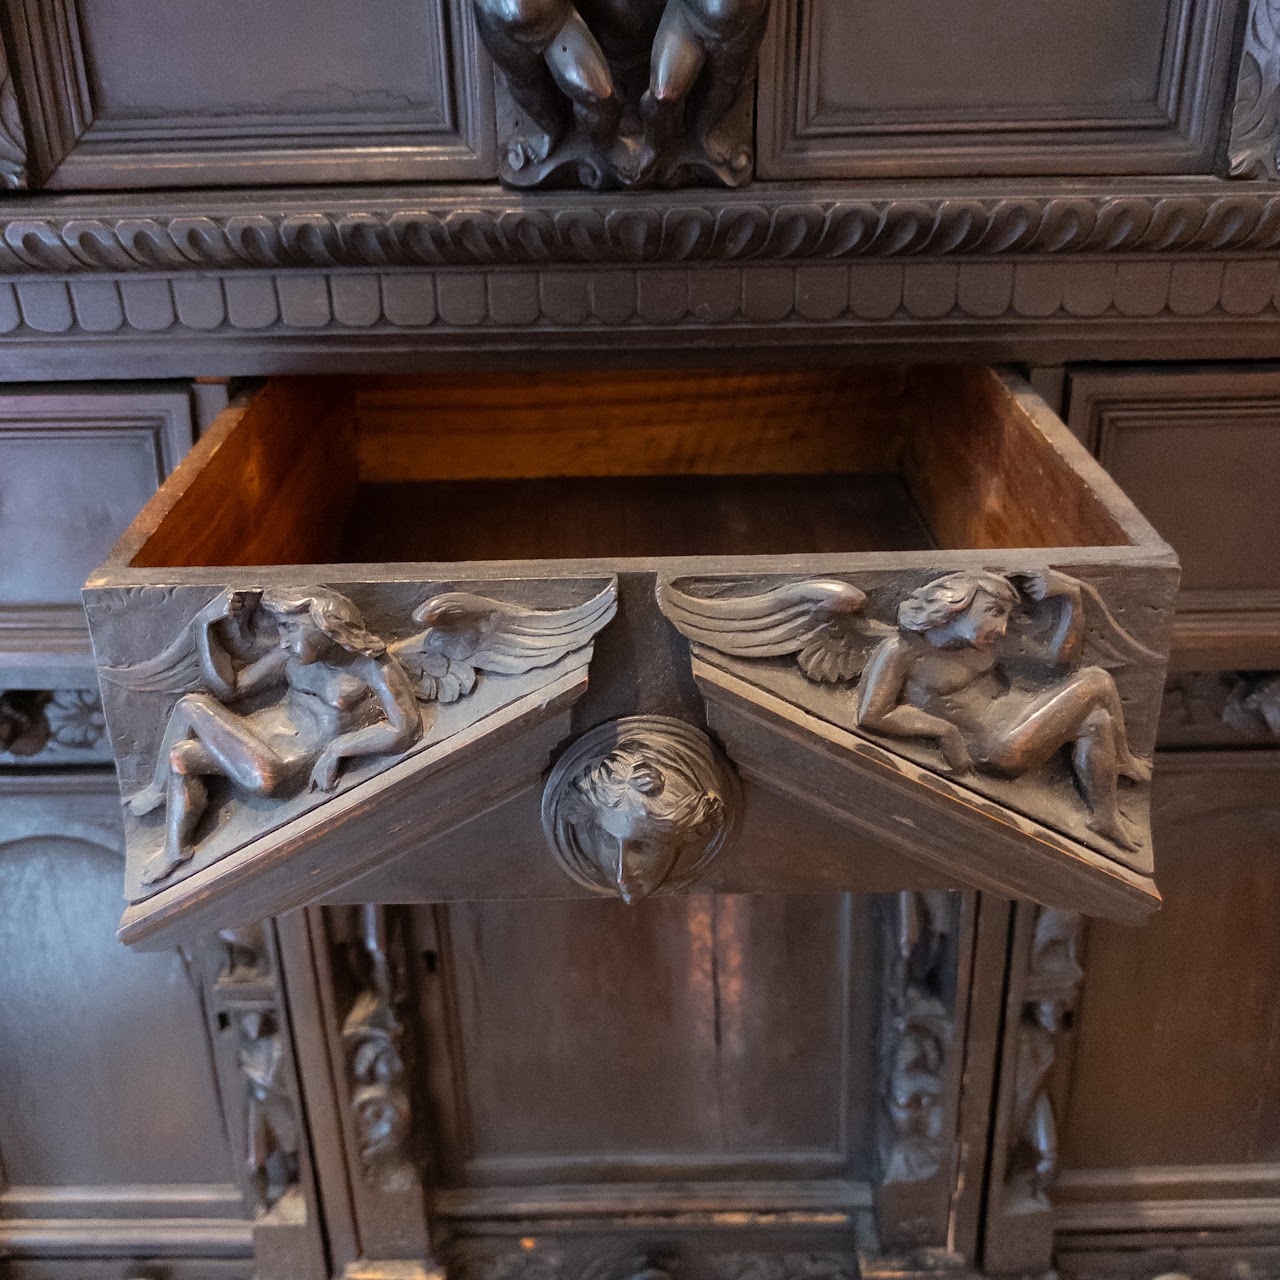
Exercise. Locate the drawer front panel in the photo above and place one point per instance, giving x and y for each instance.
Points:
(1198, 450)
(1089, 87)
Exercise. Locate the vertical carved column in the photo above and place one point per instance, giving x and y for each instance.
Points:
(1044, 990)
(258, 1082)
(917, 1034)
(373, 1037)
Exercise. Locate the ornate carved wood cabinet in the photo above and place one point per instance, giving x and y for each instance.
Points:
(632, 557)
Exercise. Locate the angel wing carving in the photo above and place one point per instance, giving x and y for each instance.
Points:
(466, 634)
(821, 620)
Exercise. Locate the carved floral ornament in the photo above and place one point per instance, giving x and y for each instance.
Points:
(988, 674)
(640, 806)
(279, 693)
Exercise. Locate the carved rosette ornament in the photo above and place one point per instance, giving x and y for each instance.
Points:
(640, 806)
(634, 93)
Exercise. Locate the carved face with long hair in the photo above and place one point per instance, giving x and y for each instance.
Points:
(313, 620)
(645, 808)
(971, 609)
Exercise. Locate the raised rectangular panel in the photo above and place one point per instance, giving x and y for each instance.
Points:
(924, 87)
(119, 95)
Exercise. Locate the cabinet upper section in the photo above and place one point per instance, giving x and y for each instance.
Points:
(629, 93)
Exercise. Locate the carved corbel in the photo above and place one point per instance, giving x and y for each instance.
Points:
(640, 806)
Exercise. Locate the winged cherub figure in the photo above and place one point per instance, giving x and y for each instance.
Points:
(945, 677)
(319, 690)
(467, 634)
(946, 674)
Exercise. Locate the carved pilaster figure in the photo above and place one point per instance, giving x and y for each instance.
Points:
(373, 1035)
(640, 806)
(624, 93)
(1049, 999)
(272, 1135)
(915, 1033)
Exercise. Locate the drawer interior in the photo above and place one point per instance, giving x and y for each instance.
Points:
(574, 465)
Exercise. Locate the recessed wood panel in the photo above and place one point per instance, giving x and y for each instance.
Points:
(683, 1037)
(925, 87)
(117, 93)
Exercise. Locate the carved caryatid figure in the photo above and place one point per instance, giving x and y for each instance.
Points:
(586, 59)
(945, 677)
(323, 693)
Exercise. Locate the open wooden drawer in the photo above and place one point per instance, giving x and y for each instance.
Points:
(863, 628)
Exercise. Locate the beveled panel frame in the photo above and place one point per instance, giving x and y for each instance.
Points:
(1179, 134)
(73, 147)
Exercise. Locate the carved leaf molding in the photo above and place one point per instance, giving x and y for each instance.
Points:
(601, 229)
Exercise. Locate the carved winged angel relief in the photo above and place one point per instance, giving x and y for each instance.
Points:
(1001, 680)
(280, 697)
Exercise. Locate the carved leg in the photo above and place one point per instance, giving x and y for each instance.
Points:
(1095, 760)
(1042, 1138)
(517, 36)
(677, 59)
(731, 31)
(577, 63)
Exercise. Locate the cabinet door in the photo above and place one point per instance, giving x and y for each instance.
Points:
(123, 93)
(1153, 1116)
(113, 1141)
(924, 87)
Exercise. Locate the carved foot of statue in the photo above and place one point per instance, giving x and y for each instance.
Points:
(634, 160)
(529, 146)
(1135, 769)
(161, 865)
(731, 160)
(147, 800)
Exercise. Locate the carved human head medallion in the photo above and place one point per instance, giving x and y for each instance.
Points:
(640, 806)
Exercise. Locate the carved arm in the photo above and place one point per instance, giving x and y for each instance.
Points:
(880, 708)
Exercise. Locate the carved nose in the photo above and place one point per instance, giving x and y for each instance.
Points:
(639, 873)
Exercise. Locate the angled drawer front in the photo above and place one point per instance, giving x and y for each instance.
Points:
(1198, 450)
(867, 629)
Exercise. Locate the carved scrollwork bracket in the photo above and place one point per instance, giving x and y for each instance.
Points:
(640, 806)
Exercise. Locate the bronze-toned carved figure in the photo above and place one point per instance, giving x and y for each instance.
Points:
(945, 677)
(624, 92)
(639, 805)
(323, 693)
(1053, 981)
